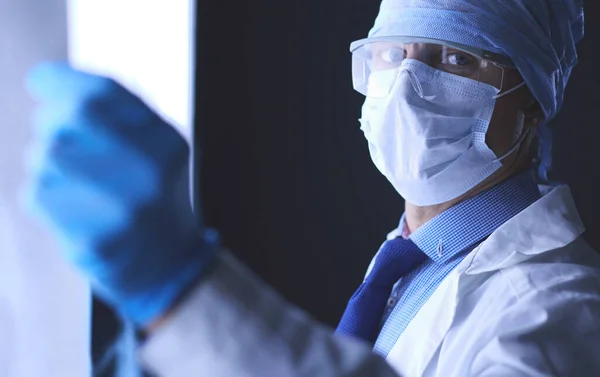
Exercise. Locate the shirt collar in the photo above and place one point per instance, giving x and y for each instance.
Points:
(472, 220)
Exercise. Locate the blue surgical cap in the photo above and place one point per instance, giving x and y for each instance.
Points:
(539, 36)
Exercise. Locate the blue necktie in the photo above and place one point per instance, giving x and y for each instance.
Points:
(396, 259)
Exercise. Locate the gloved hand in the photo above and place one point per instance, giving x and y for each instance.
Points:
(110, 177)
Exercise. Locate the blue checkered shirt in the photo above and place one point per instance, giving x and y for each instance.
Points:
(447, 239)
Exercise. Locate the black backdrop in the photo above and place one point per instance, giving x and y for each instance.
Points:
(286, 176)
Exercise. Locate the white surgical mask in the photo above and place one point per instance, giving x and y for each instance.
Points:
(428, 135)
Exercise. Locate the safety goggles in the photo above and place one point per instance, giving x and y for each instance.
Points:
(376, 62)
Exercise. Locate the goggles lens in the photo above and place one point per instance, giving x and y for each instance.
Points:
(376, 65)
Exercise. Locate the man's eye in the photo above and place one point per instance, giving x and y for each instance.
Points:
(393, 55)
(457, 59)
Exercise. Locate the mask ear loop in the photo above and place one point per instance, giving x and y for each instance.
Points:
(515, 147)
(509, 91)
(500, 94)
(526, 132)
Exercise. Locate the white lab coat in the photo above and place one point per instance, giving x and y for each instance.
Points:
(526, 302)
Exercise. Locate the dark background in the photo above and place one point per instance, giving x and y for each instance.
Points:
(286, 176)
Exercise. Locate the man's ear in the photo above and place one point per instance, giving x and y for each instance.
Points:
(534, 114)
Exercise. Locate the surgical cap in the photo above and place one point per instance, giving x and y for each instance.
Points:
(538, 35)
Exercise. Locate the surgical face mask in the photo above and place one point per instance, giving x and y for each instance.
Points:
(428, 135)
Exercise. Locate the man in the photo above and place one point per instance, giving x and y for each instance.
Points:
(485, 276)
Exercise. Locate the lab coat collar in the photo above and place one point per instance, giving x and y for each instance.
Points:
(550, 223)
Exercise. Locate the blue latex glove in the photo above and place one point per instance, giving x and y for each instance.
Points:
(110, 177)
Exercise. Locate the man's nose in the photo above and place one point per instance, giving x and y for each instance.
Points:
(419, 51)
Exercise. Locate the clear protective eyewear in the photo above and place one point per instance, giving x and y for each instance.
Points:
(376, 62)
